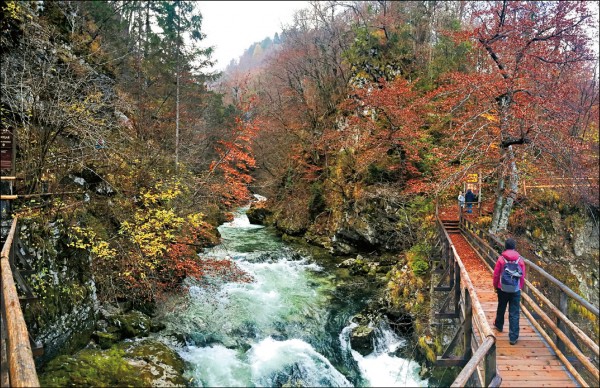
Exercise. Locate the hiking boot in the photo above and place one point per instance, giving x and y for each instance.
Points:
(513, 342)
(497, 328)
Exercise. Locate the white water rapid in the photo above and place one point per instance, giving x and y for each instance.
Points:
(287, 327)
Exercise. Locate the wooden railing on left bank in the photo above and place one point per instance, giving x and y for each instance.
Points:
(18, 367)
(474, 336)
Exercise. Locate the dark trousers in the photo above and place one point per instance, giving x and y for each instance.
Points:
(513, 300)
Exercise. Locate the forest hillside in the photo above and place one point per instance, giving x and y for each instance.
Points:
(355, 122)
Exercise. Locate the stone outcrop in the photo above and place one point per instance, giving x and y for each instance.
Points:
(258, 213)
(140, 363)
(361, 339)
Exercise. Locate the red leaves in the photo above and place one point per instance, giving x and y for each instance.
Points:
(236, 158)
(529, 58)
(388, 117)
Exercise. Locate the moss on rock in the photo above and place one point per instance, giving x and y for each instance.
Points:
(131, 324)
(144, 363)
(91, 368)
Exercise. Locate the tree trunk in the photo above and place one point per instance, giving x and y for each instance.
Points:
(504, 204)
(499, 203)
(147, 32)
(177, 99)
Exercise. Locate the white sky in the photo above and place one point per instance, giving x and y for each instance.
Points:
(232, 26)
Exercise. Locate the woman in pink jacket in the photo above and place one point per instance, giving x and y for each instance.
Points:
(512, 299)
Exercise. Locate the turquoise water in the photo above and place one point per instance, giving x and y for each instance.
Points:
(290, 326)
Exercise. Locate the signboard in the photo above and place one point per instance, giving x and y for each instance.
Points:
(6, 148)
(5, 159)
(472, 178)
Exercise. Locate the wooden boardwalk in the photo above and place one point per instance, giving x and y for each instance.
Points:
(528, 363)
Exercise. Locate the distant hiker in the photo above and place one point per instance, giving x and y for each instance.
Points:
(470, 198)
(461, 200)
(509, 279)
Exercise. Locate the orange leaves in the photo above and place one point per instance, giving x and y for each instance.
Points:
(388, 124)
(236, 159)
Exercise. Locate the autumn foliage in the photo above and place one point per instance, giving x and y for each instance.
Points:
(356, 99)
(235, 156)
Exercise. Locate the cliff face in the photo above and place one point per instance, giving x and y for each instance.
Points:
(64, 317)
(378, 219)
(50, 96)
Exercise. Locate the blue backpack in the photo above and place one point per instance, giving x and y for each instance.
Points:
(511, 276)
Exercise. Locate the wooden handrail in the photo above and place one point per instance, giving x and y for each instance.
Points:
(560, 354)
(487, 348)
(469, 369)
(561, 317)
(584, 338)
(21, 366)
(464, 276)
(580, 356)
(576, 330)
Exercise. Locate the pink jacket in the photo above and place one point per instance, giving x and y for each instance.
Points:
(508, 255)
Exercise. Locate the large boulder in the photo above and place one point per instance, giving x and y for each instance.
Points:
(378, 221)
(258, 213)
(362, 336)
(142, 363)
(361, 339)
(116, 325)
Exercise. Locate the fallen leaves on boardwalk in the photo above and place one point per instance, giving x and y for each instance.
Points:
(470, 259)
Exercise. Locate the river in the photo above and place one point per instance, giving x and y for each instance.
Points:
(290, 326)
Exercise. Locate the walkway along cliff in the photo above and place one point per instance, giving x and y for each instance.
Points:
(552, 350)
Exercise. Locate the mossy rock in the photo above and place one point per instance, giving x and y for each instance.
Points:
(105, 340)
(258, 213)
(361, 339)
(130, 325)
(155, 362)
(91, 368)
(145, 363)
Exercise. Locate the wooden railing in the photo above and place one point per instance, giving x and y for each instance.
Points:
(15, 338)
(568, 339)
(479, 347)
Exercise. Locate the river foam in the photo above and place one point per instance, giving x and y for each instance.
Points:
(281, 329)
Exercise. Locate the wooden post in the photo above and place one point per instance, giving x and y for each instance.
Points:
(490, 366)
(468, 325)
(479, 195)
(562, 305)
(451, 264)
(456, 286)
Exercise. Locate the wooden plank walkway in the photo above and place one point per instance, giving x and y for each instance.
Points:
(528, 363)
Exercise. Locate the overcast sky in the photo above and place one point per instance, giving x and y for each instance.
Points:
(232, 26)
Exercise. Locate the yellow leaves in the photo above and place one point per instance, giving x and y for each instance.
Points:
(88, 240)
(195, 219)
(95, 45)
(490, 117)
(161, 193)
(12, 10)
(154, 228)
